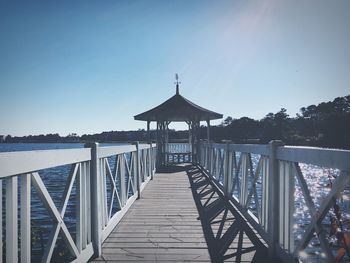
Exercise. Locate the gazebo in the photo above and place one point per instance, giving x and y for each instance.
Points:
(177, 109)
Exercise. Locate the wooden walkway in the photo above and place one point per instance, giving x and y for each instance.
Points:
(165, 226)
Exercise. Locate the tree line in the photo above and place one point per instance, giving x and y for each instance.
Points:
(326, 125)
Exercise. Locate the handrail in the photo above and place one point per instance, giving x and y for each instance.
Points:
(330, 158)
(107, 180)
(14, 163)
(261, 181)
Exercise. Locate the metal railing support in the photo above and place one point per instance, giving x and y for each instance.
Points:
(95, 186)
(273, 209)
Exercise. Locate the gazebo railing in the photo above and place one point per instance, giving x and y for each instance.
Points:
(177, 153)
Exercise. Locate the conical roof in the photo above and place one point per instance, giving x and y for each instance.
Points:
(178, 108)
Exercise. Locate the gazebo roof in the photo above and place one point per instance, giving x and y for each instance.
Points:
(178, 108)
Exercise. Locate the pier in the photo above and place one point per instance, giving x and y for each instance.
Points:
(126, 209)
(195, 201)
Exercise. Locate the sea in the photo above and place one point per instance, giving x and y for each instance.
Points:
(318, 180)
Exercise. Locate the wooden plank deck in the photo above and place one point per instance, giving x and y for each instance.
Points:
(164, 225)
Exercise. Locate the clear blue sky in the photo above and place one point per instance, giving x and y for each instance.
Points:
(90, 66)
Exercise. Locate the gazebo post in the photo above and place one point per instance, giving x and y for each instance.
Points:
(196, 132)
(189, 136)
(208, 130)
(157, 141)
(148, 132)
(162, 142)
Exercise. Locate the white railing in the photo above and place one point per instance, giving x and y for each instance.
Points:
(178, 147)
(262, 179)
(101, 194)
(177, 153)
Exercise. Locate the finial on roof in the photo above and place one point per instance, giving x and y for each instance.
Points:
(177, 82)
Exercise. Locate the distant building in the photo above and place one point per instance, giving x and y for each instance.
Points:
(2, 138)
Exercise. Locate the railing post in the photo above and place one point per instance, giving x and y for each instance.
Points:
(273, 208)
(150, 156)
(95, 188)
(228, 170)
(138, 170)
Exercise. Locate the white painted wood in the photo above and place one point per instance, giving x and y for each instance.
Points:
(69, 240)
(114, 193)
(53, 211)
(244, 179)
(143, 146)
(286, 205)
(265, 194)
(104, 192)
(122, 184)
(85, 255)
(117, 217)
(84, 202)
(254, 180)
(277, 206)
(329, 158)
(138, 169)
(25, 218)
(115, 150)
(68, 188)
(89, 202)
(13, 163)
(55, 230)
(79, 209)
(11, 219)
(95, 197)
(236, 182)
(250, 148)
(273, 200)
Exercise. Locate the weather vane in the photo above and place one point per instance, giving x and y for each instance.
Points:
(177, 82)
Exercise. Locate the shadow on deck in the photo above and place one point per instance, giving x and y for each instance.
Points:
(228, 235)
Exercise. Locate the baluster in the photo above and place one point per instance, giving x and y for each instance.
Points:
(122, 180)
(11, 219)
(88, 198)
(150, 162)
(265, 193)
(104, 192)
(244, 179)
(144, 161)
(25, 218)
(286, 205)
(138, 168)
(78, 208)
